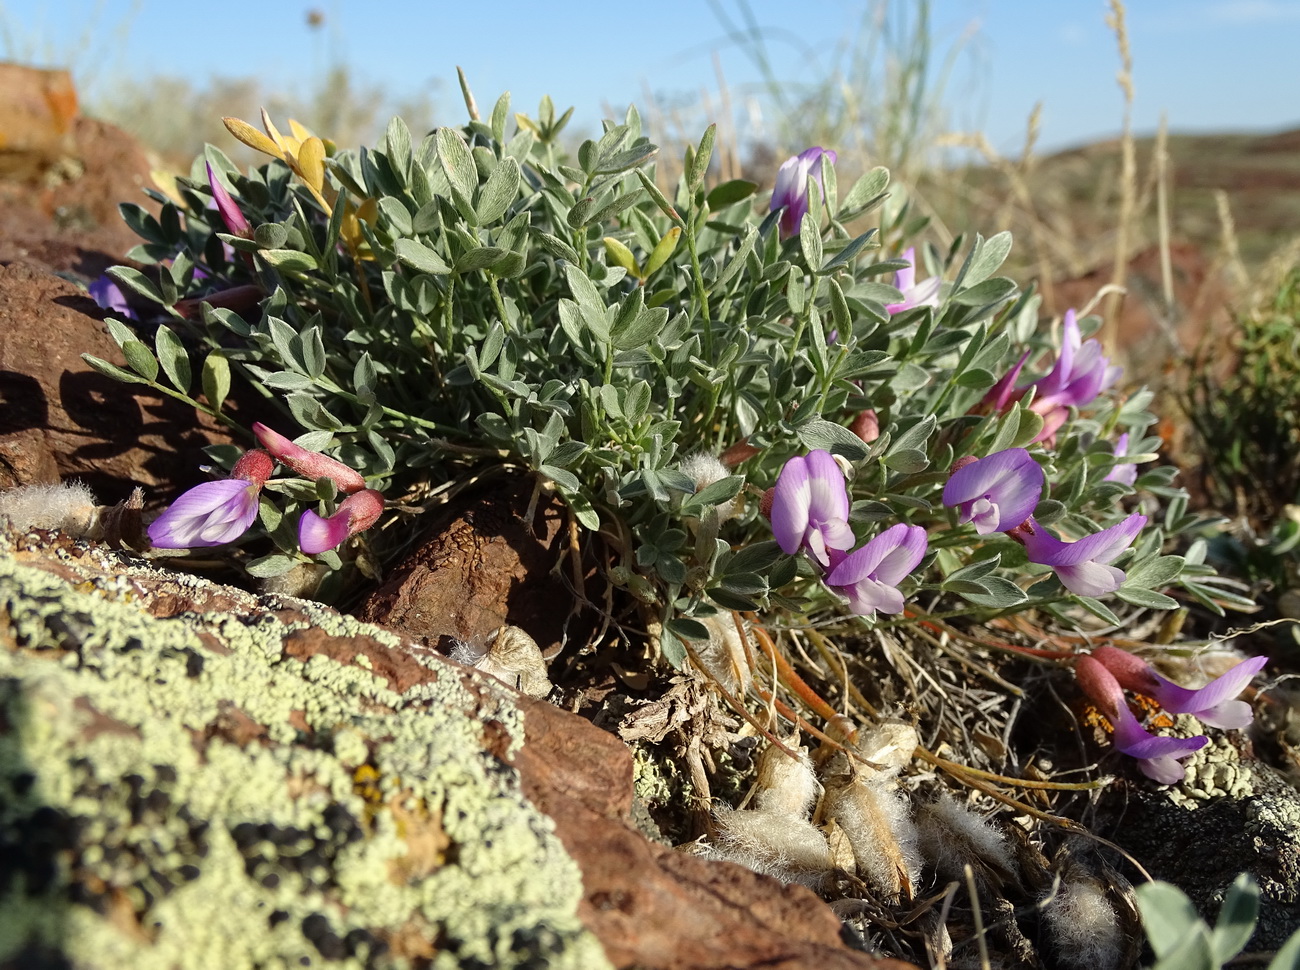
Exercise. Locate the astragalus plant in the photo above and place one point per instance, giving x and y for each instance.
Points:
(474, 301)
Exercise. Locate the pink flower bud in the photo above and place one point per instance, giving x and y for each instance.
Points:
(309, 464)
(866, 426)
(356, 513)
(255, 466)
(230, 214)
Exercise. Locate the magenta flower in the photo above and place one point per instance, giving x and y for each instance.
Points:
(231, 215)
(1158, 758)
(109, 296)
(215, 512)
(309, 464)
(1082, 566)
(1080, 373)
(1004, 392)
(925, 293)
(868, 577)
(996, 493)
(791, 188)
(356, 513)
(1214, 703)
(810, 506)
(1124, 474)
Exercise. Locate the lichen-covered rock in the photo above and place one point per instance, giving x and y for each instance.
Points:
(185, 792)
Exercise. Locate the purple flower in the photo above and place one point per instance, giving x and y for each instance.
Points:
(1214, 703)
(1124, 474)
(996, 493)
(869, 576)
(810, 506)
(215, 512)
(110, 297)
(1080, 373)
(356, 513)
(791, 188)
(1004, 392)
(231, 215)
(1158, 758)
(1082, 566)
(925, 293)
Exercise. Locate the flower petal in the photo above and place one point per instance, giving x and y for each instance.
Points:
(1090, 578)
(1101, 546)
(902, 559)
(207, 515)
(317, 534)
(791, 500)
(1009, 479)
(829, 499)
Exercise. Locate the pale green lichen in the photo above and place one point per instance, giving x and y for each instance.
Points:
(138, 833)
(1214, 771)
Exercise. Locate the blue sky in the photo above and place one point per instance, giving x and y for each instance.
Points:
(1210, 64)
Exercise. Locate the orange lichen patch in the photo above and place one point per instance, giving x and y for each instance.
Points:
(1149, 708)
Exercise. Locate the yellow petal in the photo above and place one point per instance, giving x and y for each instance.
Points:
(311, 163)
(299, 132)
(369, 209)
(166, 183)
(272, 130)
(251, 137)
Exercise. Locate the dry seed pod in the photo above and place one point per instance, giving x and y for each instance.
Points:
(1091, 918)
(786, 785)
(874, 817)
(511, 656)
(785, 846)
(723, 656)
(69, 507)
(952, 836)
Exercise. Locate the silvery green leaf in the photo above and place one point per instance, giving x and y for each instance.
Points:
(498, 192)
(1147, 598)
(271, 235)
(140, 359)
(135, 281)
(998, 593)
(1236, 920)
(364, 376)
(1168, 916)
(988, 257)
(909, 461)
(985, 294)
(699, 166)
(835, 438)
(398, 215)
(850, 252)
(174, 358)
(215, 378)
(420, 257)
(457, 161)
(397, 146)
(561, 477)
(1156, 572)
(287, 381)
(312, 351)
(810, 242)
(288, 260)
(976, 570)
(112, 370)
(866, 192)
(481, 258)
(265, 567)
(729, 193)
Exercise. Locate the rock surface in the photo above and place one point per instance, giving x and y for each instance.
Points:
(61, 419)
(192, 776)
